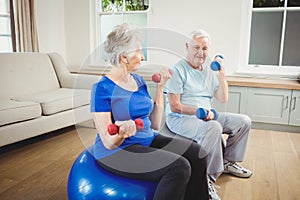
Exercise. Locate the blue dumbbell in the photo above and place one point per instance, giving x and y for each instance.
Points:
(202, 113)
(216, 65)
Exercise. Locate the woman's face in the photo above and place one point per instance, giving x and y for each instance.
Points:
(197, 51)
(134, 61)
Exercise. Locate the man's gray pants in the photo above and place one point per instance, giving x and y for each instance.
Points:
(209, 135)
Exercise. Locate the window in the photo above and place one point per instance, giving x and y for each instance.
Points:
(274, 35)
(5, 33)
(114, 12)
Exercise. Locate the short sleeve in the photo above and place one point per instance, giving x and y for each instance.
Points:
(100, 98)
(175, 83)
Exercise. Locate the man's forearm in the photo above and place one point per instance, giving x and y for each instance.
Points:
(222, 92)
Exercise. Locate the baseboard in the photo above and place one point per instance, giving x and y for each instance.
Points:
(276, 127)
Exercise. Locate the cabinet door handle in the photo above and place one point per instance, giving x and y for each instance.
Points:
(287, 102)
(294, 103)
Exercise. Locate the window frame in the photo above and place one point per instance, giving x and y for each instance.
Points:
(9, 35)
(92, 64)
(100, 13)
(262, 70)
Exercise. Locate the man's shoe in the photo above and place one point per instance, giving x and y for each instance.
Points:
(237, 170)
(213, 195)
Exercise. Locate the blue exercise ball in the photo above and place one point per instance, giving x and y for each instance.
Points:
(89, 181)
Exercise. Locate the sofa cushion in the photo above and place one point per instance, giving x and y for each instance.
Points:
(15, 111)
(26, 73)
(58, 100)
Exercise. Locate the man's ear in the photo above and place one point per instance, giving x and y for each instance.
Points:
(186, 46)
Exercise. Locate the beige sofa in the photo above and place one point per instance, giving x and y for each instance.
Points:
(39, 95)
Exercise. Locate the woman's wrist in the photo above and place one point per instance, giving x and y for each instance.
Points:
(159, 104)
(159, 87)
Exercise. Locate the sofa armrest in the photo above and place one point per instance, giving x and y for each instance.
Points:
(68, 80)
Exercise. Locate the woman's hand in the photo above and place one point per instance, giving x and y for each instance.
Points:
(164, 76)
(126, 128)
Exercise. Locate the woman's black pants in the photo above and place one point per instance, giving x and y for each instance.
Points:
(176, 163)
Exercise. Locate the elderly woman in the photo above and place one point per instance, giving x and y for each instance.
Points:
(120, 97)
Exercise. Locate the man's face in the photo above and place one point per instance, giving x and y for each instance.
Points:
(197, 51)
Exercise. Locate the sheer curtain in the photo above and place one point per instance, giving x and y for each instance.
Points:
(24, 32)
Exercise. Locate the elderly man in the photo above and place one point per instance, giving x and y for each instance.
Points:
(189, 91)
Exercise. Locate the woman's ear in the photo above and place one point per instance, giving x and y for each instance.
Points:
(123, 59)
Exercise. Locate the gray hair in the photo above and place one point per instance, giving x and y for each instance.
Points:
(124, 39)
(198, 34)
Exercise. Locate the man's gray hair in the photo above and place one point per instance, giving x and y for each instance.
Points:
(198, 34)
(124, 39)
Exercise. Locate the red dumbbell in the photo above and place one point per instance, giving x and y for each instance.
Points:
(114, 129)
(156, 77)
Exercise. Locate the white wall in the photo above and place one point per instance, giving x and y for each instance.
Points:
(64, 27)
(71, 25)
(221, 19)
(51, 26)
(77, 19)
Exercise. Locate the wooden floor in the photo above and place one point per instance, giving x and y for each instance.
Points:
(38, 168)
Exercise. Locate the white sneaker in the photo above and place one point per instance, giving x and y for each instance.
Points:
(237, 170)
(213, 195)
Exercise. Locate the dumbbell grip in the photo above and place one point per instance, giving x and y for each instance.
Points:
(114, 129)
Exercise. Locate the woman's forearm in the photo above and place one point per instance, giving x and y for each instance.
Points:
(158, 110)
(102, 120)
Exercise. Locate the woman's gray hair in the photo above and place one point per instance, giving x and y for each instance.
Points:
(199, 33)
(124, 39)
